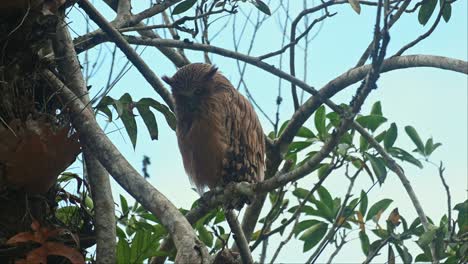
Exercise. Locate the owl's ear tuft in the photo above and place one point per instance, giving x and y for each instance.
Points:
(211, 73)
(167, 80)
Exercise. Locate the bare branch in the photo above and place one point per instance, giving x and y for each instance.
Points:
(338, 247)
(425, 35)
(447, 191)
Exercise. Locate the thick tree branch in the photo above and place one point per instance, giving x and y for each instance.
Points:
(101, 191)
(355, 75)
(190, 248)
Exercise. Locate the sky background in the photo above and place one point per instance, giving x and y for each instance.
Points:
(434, 101)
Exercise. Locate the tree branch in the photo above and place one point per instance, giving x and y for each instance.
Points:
(239, 237)
(69, 68)
(190, 248)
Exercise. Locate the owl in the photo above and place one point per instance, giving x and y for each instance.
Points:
(219, 134)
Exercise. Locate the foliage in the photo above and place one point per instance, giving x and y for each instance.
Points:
(124, 107)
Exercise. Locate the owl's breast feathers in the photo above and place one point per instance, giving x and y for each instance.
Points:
(223, 141)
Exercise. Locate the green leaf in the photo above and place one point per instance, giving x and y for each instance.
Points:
(404, 155)
(462, 218)
(423, 258)
(168, 114)
(105, 110)
(119, 106)
(89, 203)
(404, 253)
(323, 210)
(363, 203)
(313, 235)
(447, 12)
(149, 119)
(184, 6)
(303, 225)
(125, 104)
(426, 10)
(304, 132)
(123, 252)
(260, 5)
(355, 5)
(427, 236)
(308, 210)
(380, 137)
(69, 215)
(320, 121)
(371, 122)
(430, 146)
(378, 208)
(364, 242)
(323, 170)
(138, 245)
(415, 138)
(220, 217)
(301, 193)
(391, 136)
(124, 205)
(325, 197)
(205, 236)
(376, 109)
(335, 118)
(297, 146)
(120, 233)
(382, 233)
(378, 165)
(363, 144)
(282, 127)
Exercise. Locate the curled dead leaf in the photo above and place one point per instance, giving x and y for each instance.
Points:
(394, 217)
(355, 5)
(41, 235)
(33, 154)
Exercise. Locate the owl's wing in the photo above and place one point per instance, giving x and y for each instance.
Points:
(245, 157)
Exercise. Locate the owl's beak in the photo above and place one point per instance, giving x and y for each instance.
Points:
(191, 104)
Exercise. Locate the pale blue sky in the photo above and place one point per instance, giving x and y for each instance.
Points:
(434, 101)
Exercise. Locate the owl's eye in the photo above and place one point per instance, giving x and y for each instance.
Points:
(198, 91)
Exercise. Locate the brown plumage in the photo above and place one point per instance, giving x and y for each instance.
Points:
(219, 134)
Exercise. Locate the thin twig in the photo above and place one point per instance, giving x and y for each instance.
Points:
(338, 247)
(449, 199)
(425, 35)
